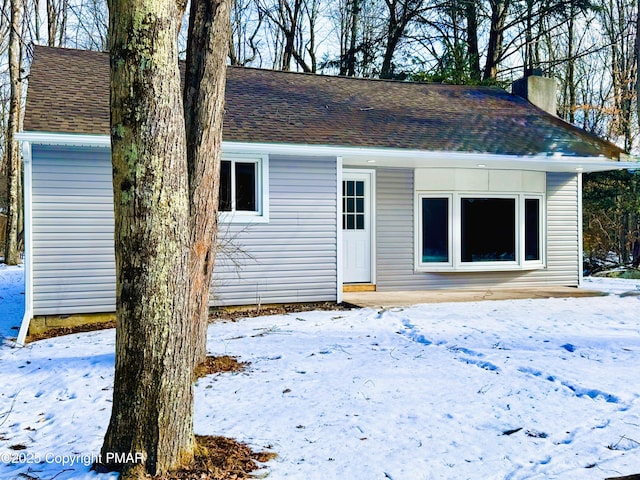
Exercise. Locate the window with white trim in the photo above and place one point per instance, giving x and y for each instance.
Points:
(465, 231)
(436, 230)
(487, 229)
(243, 189)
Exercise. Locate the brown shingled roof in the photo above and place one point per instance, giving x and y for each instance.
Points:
(69, 93)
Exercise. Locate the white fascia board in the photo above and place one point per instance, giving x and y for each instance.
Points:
(71, 139)
(377, 157)
(394, 157)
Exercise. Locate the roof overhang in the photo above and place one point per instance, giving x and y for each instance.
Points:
(378, 157)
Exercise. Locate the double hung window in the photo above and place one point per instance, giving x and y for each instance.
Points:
(243, 189)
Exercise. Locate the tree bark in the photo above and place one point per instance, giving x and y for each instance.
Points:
(636, 52)
(471, 15)
(571, 83)
(204, 107)
(152, 417)
(11, 250)
(499, 11)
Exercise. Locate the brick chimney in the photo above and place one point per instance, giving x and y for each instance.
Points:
(539, 90)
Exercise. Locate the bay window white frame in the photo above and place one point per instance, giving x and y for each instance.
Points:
(419, 229)
(455, 262)
(540, 262)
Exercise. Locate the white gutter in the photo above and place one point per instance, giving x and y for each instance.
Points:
(28, 263)
(71, 139)
(396, 157)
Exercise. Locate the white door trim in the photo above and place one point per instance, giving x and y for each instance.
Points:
(372, 230)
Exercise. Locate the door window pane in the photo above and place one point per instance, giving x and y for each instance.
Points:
(350, 188)
(488, 229)
(353, 205)
(350, 222)
(532, 229)
(435, 230)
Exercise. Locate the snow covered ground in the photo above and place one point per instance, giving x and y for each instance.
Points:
(11, 301)
(487, 390)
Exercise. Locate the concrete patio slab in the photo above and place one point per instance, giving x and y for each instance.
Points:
(407, 298)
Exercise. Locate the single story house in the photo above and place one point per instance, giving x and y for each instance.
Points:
(326, 182)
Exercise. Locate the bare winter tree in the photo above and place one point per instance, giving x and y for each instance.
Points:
(619, 30)
(165, 155)
(292, 31)
(87, 24)
(245, 41)
(57, 16)
(12, 152)
(359, 25)
(399, 14)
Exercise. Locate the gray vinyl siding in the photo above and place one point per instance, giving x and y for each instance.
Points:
(395, 239)
(290, 259)
(72, 211)
(293, 257)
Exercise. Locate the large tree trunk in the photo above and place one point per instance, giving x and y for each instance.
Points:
(152, 416)
(11, 250)
(204, 107)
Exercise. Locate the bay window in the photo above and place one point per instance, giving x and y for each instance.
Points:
(464, 231)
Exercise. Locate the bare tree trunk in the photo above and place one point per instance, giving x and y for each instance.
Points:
(471, 14)
(386, 70)
(571, 62)
(499, 11)
(209, 35)
(11, 250)
(401, 13)
(63, 23)
(152, 415)
(290, 17)
(636, 54)
(52, 22)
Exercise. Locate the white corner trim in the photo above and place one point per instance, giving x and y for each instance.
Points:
(28, 250)
(580, 233)
(374, 234)
(339, 252)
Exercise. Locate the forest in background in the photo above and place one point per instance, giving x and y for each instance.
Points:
(590, 47)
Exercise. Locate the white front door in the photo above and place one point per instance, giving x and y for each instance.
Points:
(356, 227)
